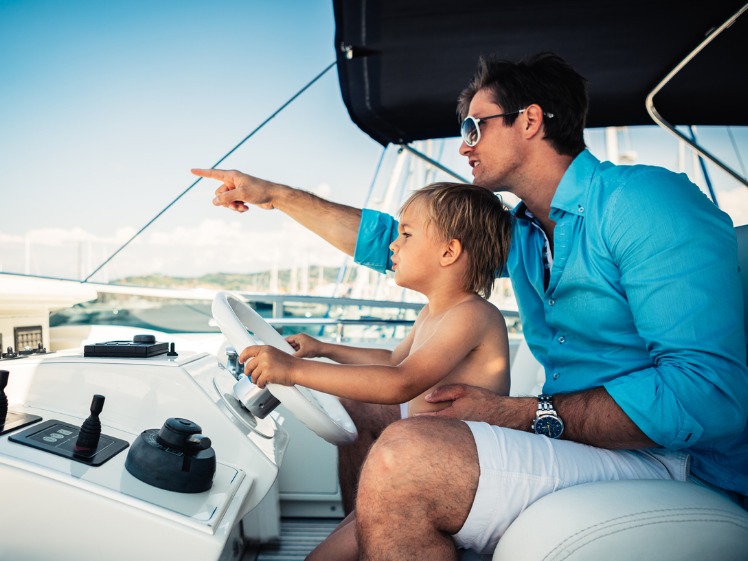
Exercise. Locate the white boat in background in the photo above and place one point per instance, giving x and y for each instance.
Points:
(164, 360)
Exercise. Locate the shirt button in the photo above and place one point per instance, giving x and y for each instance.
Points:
(580, 208)
(551, 302)
(562, 339)
(556, 375)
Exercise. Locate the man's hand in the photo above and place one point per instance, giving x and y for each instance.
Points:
(336, 223)
(240, 190)
(306, 346)
(268, 365)
(470, 403)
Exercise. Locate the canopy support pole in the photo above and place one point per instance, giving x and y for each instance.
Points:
(670, 128)
(434, 163)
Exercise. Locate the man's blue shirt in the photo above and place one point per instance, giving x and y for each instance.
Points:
(643, 298)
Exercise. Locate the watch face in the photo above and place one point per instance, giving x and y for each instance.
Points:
(550, 426)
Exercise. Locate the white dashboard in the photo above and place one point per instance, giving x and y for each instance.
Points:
(66, 504)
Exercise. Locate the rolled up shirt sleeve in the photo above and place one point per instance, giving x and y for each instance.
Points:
(655, 408)
(682, 286)
(375, 234)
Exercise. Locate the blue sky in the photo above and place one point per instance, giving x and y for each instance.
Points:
(105, 106)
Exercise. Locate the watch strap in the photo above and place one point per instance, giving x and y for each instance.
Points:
(545, 403)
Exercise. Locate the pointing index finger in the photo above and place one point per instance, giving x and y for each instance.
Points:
(211, 173)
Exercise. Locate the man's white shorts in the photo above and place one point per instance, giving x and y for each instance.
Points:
(517, 468)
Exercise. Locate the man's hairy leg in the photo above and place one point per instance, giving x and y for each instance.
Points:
(416, 490)
(370, 419)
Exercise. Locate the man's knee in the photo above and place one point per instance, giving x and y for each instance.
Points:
(400, 444)
(411, 459)
(419, 448)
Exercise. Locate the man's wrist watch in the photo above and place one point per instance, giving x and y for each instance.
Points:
(547, 422)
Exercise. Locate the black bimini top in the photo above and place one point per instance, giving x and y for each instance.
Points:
(402, 63)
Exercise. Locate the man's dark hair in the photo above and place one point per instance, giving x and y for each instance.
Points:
(545, 79)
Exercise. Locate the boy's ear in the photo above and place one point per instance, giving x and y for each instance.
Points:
(451, 252)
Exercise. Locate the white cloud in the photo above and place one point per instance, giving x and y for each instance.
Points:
(323, 190)
(211, 245)
(735, 203)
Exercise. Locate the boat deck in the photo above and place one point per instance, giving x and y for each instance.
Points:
(299, 536)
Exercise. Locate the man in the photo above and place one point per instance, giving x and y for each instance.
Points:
(627, 284)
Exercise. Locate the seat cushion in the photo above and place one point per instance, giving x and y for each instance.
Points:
(631, 520)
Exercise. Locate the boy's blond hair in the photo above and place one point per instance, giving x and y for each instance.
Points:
(478, 219)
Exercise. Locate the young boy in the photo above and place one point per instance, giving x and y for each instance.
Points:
(452, 240)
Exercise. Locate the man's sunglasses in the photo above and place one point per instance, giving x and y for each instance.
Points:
(470, 128)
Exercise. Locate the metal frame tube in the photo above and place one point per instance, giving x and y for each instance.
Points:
(670, 128)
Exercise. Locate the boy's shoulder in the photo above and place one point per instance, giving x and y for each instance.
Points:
(474, 304)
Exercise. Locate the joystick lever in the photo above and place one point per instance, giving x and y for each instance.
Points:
(88, 437)
(3, 398)
(11, 420)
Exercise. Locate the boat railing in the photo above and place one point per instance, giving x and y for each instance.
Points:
(338, 319)
(338, 324)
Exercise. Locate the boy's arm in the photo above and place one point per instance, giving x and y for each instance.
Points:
(402, 350)
(361, 355)
(356, 355)
(420, 370)
(307, 346)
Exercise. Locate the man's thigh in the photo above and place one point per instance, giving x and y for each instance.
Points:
(517, 468)
(417, 487)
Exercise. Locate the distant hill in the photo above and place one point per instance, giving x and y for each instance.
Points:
(249, 282)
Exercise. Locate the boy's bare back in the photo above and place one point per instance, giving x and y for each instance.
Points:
(478, 324)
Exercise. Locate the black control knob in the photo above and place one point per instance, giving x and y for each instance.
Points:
(182, 434)
(144, 339)
(176, 457)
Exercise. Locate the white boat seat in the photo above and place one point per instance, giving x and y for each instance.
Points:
(633, 520)
(527, 374)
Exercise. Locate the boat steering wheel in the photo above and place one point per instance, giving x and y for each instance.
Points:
(320, 412)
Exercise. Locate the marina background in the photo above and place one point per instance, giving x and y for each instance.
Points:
(104, 108)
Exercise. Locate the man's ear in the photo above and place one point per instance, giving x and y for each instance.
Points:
(533, 120)
(451, 252)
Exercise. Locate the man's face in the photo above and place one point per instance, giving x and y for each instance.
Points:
(497, 155)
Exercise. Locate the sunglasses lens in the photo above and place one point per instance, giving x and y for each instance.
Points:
(469, 131)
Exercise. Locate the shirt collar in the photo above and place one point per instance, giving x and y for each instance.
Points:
(521, 212)
(571, 193)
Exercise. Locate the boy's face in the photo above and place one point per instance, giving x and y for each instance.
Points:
(416, 251)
